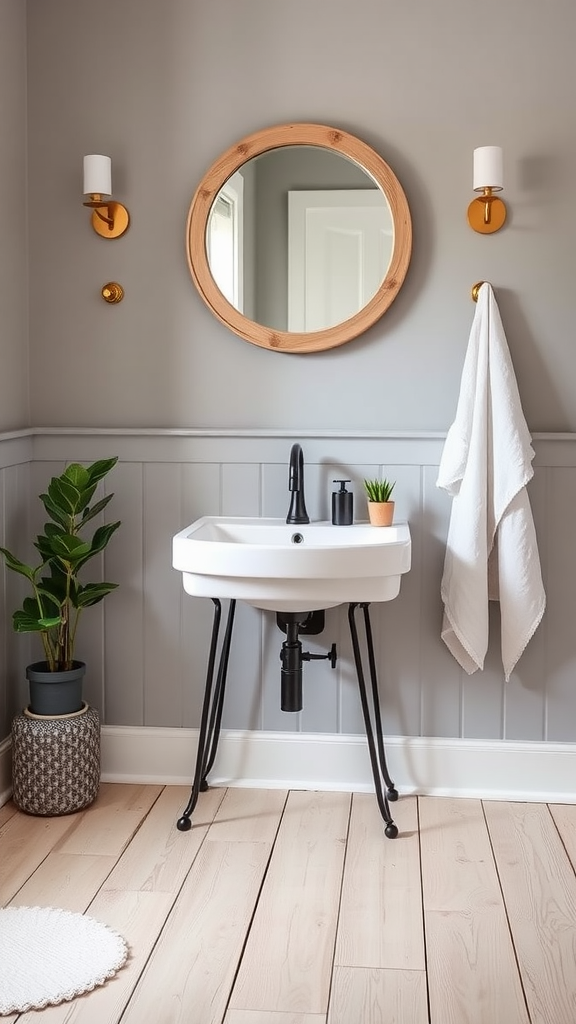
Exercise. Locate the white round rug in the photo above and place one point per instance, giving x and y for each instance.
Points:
(49, 956)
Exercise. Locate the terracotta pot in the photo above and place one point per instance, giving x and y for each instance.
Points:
(381, 513)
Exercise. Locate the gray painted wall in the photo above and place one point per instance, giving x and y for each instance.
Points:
(13, 236)
(175, 82)
(164, 91)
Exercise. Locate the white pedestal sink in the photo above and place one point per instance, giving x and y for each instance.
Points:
(292, 569)
(284, 568)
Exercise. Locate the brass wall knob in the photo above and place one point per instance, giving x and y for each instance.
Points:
(112, 292)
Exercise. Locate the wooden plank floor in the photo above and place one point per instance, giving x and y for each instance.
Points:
(293, 908)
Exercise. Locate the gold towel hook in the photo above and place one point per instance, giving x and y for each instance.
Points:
(112, 292)
(476, 288)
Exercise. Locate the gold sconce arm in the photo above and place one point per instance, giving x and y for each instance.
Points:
(110, 224)
(487, 213)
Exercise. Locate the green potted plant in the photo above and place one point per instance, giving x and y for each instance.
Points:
(380, 507)
(58, 595)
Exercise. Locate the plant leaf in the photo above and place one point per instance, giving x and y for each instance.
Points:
(17, 566)
(77, 475)
(84, 498)
(96, 509)
(55, 584)
(53, 598)
(25, 623)
(44, 541)
(99, 541)
(54, 511)
(70, 548)
(379, 490)
(101, 468)
(64, 494)
(92, 593)
(53, 529)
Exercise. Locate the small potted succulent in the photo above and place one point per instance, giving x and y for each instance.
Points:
(58, 595)
(380, 507)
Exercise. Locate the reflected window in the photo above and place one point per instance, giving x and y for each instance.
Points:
(225, 240)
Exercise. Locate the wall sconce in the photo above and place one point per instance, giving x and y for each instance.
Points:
(487, 212)
(109, 218)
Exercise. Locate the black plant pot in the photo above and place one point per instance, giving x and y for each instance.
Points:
(55, 693)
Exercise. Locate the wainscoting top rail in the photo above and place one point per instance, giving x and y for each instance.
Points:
(301, 432)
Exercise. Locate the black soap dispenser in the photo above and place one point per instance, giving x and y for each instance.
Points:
(342, 505)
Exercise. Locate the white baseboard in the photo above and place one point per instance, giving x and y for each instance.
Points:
(492, 769)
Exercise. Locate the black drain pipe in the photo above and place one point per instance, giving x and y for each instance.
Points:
(291, 671)
(292, 655)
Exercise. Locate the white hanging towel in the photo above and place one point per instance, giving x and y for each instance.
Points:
(491, 551)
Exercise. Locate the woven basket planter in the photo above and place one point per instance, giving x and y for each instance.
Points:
(55, 761)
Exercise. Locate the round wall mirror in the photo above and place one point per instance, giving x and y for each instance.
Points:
(299, 237)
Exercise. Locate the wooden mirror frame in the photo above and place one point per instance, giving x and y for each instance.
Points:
(261, 142)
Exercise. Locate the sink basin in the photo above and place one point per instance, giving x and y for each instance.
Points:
(276, 566)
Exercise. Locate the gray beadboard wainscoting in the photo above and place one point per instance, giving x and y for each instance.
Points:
(147, 645)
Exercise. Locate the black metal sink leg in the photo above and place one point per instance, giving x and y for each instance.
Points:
(211, 710)
(375, 746)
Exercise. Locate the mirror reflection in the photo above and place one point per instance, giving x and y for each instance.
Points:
(299, 238)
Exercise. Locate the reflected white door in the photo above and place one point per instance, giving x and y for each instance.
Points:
(339, 249)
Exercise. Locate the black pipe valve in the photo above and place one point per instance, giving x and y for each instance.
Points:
(331, 656)
(292, 656)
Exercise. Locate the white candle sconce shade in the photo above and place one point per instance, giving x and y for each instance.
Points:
(487, 212)
(109, 218)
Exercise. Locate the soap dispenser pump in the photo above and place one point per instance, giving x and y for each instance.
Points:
(342, 505)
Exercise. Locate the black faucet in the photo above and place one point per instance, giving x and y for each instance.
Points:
(297, 513)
